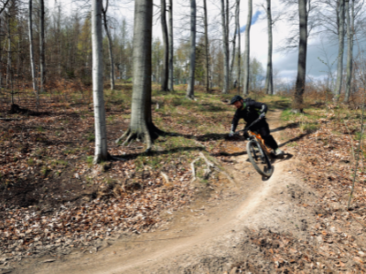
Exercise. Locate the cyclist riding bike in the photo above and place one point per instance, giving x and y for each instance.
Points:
(250, 111)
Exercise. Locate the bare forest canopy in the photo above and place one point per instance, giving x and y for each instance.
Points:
(65, 52)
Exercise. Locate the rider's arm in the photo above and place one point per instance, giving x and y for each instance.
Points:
(235, 121)
(261, 107)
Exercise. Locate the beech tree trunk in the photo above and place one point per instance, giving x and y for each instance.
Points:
(141, 125)
(104, 11)
(31, 54)
(269, 77)
(341, 15)
(165, 76)
(207, 49)
(192, 65)
(225, 43)
(234, 46)
(350, 31)
(42, 47)
(247, 48)
(239, 45)
(8, 66)
(101, 150)
(301, 65)
(171, 48)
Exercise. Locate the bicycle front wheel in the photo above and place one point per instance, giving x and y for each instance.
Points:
(259, 159)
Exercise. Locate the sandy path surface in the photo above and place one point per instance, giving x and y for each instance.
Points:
(208, 236)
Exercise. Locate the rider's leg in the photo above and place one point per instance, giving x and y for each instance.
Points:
(264, 131)
(268, 138)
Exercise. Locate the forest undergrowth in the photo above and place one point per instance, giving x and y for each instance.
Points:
(325, 140)
(52, 198)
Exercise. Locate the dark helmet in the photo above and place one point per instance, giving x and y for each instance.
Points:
(235, 99)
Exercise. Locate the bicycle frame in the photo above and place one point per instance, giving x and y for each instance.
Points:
(260, 141)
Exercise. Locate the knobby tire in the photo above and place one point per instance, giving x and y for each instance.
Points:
(256, 152)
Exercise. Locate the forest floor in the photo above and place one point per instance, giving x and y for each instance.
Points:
(147, 214)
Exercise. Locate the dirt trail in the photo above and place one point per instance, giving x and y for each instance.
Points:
(204, 237)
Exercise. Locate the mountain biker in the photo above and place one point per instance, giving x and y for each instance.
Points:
(250, 111)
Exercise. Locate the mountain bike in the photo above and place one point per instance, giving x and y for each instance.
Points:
(258, 152)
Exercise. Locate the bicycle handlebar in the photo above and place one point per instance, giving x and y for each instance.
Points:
(247, 128)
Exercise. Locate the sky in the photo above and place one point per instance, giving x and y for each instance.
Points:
(284, 62)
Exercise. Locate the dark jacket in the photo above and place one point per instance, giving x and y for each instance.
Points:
(250, 111)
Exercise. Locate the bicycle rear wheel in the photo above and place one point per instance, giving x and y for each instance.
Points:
(259, 159)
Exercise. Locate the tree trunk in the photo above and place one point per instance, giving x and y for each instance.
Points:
(101, 150)
(8, 67)
(1, 59)
(239, 45)
(171, 48)
(269, 77)
(225, 43)
(104, 11)
(31, 54)
(350, 31)
(190, 88)
(301, 65)
(247, 48)
(141, 126)
(234, 46)
(165, 75)
(207, 62)
(340, 49)
(42, 47)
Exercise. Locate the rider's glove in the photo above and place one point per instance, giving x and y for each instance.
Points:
(262, 115)
(231, 134)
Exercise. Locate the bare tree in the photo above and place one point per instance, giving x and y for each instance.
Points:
(207, 47)
(171, 48)
(31, 53)
(268, 87)
(225, 43)
(101, 150)
(190, 88)
(350, 33)
(234, 41)
(301, 63)
(239, 44)
(42, 46)
(247, 48)
(104, 12)
(341, 15)
(165, 76)
(141, 125)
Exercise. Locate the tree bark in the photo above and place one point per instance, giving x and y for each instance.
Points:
(31, 53)
(42, 47)
(165, 75)
(269, 77)
(101, 150)
(104, 11)
(171, 48)
(207, 50)
(141, 125)
(8, 66)
(301, 65)
(350, 31)
(239, 46)
(192, 66)
(225, 42)
(341, 16)
(247, 48)
(234, 44)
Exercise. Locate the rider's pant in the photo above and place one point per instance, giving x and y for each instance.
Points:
(263, 129)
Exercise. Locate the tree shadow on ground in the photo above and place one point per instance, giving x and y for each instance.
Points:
(291, 125)
(294, 139)
(153, 153)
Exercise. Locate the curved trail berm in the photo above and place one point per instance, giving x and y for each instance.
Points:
(214, 238)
